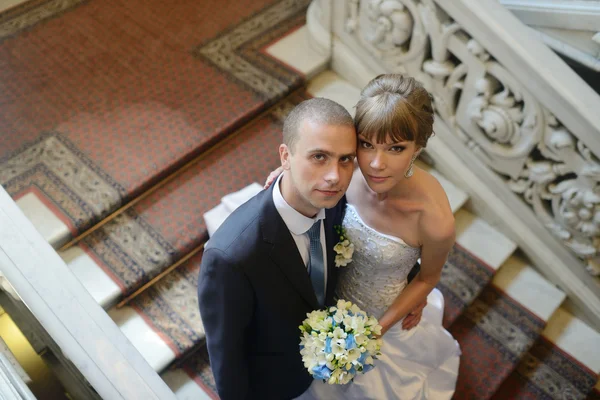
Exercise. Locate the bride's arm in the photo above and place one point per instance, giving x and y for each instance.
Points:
(272, 177)
(438, 239)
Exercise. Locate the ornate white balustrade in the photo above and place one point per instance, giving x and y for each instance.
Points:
(519, 129)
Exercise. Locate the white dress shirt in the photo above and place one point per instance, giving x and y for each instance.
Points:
(299, 225)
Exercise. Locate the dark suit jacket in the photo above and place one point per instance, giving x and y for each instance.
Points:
(254, 292)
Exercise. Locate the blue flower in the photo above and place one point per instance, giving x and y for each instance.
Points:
(363, 357)
(321, 372)
(367, 368)
(328, 345)
(350, 342)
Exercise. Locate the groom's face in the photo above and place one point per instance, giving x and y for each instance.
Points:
(320, 165)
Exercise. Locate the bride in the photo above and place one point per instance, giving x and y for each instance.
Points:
(396, 214)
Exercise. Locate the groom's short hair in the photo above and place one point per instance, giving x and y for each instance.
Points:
(318, 109)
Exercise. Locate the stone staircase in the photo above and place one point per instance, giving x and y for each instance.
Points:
(134, 235)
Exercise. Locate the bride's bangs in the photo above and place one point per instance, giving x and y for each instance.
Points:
(386, 119)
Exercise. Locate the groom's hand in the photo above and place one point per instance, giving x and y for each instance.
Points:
(272, 176)
(414, 317)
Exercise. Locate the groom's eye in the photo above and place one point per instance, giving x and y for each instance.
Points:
(347, 159)
(319, 157)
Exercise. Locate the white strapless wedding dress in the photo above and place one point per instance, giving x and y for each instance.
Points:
(421, 363)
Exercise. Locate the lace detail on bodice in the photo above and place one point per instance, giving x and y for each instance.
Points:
(379, 267)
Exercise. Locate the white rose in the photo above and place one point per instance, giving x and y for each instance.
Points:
(372, 346)
(343, 304)
(345, 378)
(334, 378)
(347, 251)
(338, 248)
(341, 261)
(339, 334)
(338, 317)
(337, 350)
(376, 329)
(353, 355)
(360, 339)
(355, 310)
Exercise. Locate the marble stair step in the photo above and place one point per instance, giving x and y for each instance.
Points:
(163, 323)
(192, 379)
(331, 86)
(296, 51)
(576, 338)
(45, 217)
(130, 250)
(519, 280)
(482, 240)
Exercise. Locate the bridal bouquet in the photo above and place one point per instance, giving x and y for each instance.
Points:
(338, 343)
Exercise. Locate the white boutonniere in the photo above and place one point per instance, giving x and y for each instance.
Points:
(344, 248)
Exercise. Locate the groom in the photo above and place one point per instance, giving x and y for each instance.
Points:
(272, 260)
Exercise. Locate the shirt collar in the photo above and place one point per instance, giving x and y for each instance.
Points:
(297, 223)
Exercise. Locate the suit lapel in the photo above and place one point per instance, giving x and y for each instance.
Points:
(284, 251)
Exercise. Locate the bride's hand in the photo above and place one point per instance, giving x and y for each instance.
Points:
(414, 317)
(272, 176)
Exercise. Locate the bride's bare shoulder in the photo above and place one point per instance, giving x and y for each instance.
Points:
(437, 219)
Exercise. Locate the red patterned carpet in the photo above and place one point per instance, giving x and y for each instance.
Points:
(127, 90)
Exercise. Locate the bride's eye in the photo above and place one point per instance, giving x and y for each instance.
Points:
(397, 149)
(365, 145)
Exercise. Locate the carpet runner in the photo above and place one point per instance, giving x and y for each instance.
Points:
(547, 372)
(494, 332)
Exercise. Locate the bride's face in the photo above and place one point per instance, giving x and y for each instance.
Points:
(384, 164)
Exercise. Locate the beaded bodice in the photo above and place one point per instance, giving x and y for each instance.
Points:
(379, 268)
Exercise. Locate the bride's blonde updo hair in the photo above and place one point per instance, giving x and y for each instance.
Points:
(397, 107)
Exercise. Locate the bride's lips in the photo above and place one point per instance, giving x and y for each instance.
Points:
(377, 179)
